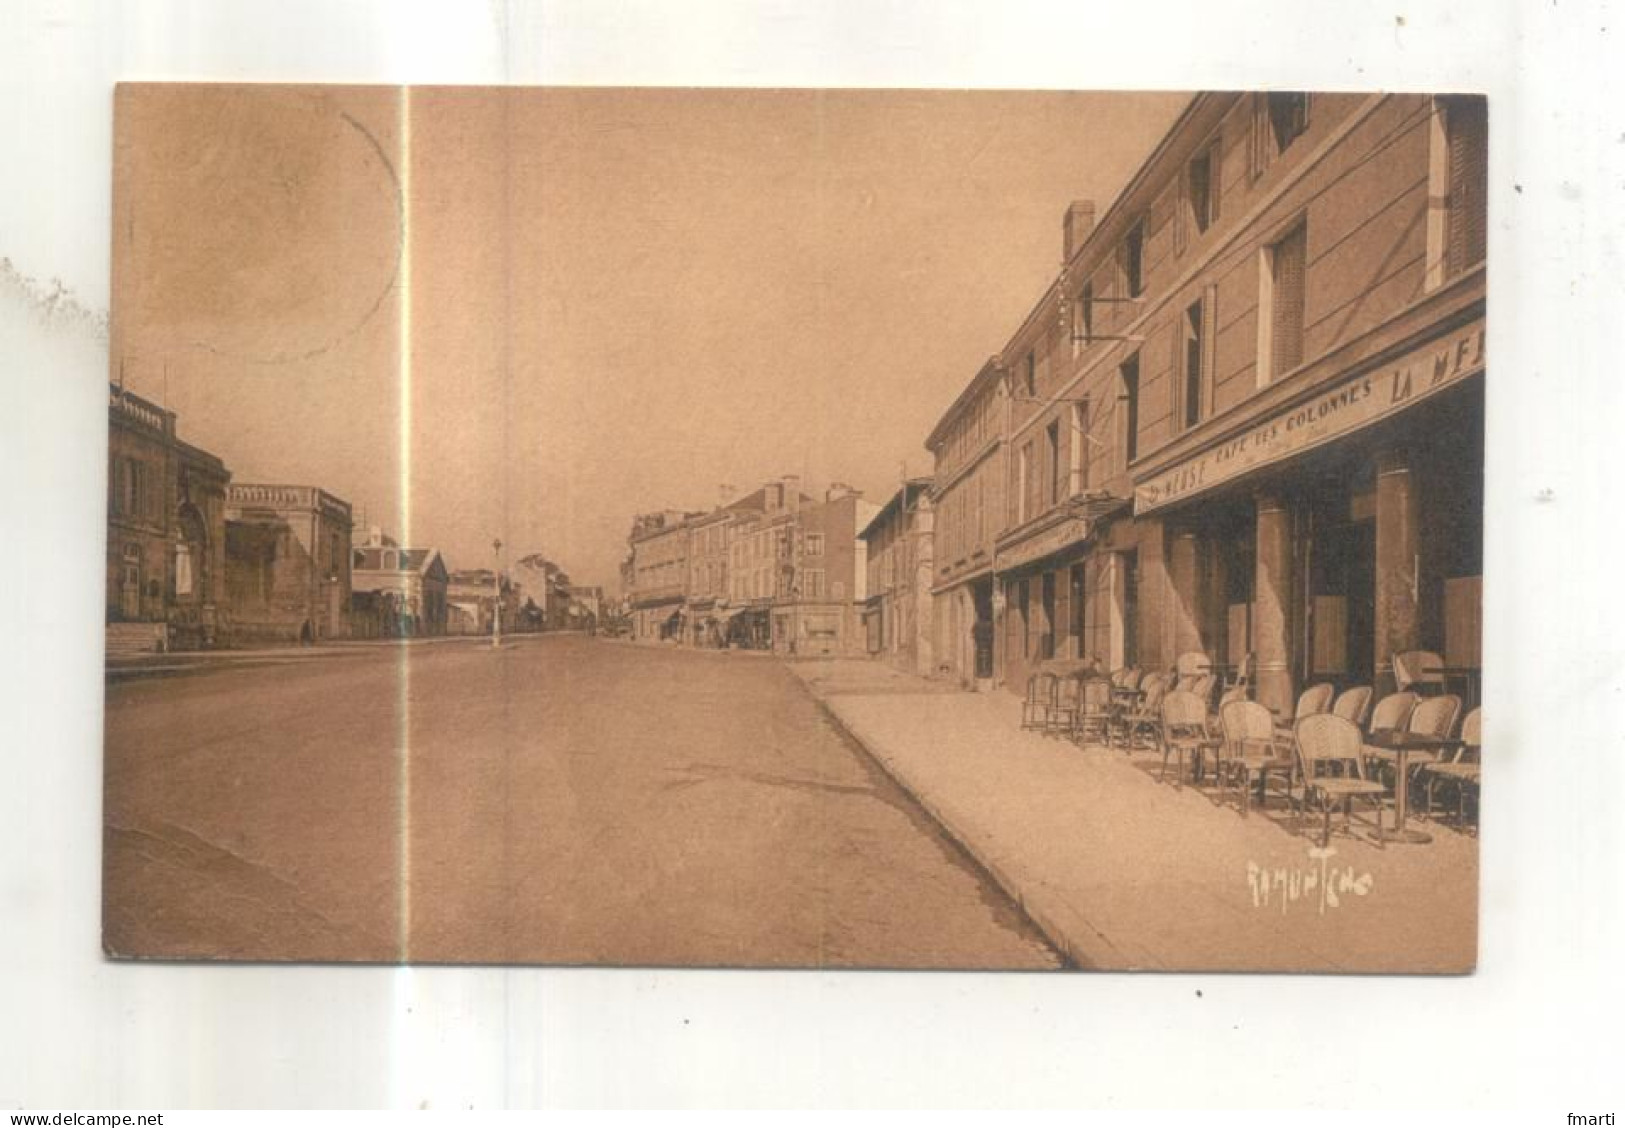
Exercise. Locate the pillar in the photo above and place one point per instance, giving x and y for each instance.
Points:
(1152, 598)
(1272, 589)
(1184, 600)
(1397, 564)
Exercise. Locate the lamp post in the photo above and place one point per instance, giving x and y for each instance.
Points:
(496, 605)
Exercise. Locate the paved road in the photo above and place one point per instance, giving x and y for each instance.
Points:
(563, 800)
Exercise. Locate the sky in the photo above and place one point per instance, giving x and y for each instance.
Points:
(529, 314)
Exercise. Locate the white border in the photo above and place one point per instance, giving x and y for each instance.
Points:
(1537, 1025)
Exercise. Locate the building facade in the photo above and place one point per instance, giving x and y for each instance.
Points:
(1247, 418)
(967, 448)
(897, 612)
(166, 532)
(397, 592)
(659, 574)
(288, 559)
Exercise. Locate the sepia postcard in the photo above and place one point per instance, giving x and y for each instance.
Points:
(796, 528)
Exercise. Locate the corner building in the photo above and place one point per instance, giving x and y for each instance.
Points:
(1248, 416)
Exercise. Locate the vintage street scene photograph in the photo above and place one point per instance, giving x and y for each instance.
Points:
(795, 528)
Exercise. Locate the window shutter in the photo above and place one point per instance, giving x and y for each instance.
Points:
(1210, 347)
(1176, 371)
(1184, 203)
(1261, 138)
(1215, 168)
(1467, 127)
(1287, 335)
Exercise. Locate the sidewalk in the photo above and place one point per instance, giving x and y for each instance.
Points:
(1122, 872)
(171, 662)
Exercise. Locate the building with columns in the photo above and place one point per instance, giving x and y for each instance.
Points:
(1247, 417)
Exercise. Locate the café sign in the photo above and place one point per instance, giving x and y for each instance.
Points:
(1342, 409)
(1041, 544)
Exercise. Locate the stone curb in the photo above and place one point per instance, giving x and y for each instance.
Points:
(1088, 951)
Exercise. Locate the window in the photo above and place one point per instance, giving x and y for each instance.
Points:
(1052, 453)
(1083, 321)
(1029, 381)
(812, 583)
(1278, 120)
(1132, 260)
(1280, 336)
(1202, 188)
(1190, 329)
(1079, 449)
(1024, 469)
(1458, 186)
(1129, 374)
(815, 544)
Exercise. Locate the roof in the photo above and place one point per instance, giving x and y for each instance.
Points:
(986, 378)
(913, 488)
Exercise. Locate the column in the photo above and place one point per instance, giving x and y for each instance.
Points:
(1184, 601)
(1152, 598)
(1272, 594)
(1397, 564)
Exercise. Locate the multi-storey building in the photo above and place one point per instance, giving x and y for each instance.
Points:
(968, 509)
(897, 612)
(166, 532)
(709, 611)
(1269, 351)
(287, 563)
(659, 574)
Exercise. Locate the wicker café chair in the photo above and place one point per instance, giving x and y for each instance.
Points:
(1251, 751)
(1325, 743)
(1190, 666)
(1433, 716)
(1062, 717)
(1183, 733)
(1315, 699)
(1146, 717)
(1094, 717)
(1245, 673)
(1409, 667)
(1462, 769)
(1353, 705)
(1040, 699)
(1393, 712)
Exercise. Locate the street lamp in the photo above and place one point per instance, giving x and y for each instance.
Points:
(496, 605)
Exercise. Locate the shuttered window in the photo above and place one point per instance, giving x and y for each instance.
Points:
(1130, 374)
(1287, 262)
(1467, 137)
(1189, 355)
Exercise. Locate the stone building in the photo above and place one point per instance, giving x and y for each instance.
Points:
(897, 613)
(1247, 417)
(287, 563)
(659, 574)
(166, 536)
(967, 489)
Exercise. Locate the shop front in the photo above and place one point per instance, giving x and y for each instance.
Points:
(1330, 532)
(1061, 587)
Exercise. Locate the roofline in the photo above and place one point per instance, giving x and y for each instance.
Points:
(916, 485)
(991, 369)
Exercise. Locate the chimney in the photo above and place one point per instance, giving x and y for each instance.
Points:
(1075, 228)
(775, 496)
(837, 490)
(792, 490)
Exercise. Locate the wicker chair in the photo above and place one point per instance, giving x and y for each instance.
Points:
(1189, 667)
(1183, 732)
(1062, 717)
(1353, 705)
(1251, 751)
(1462, 769)
(1433, 716)
(1409, 668)
(1324, 742)
(1040, 699)
(1315, 699)
(1392, 712)
(1094, 718)
(1145, 717)
(1244, 674)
